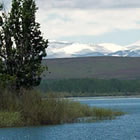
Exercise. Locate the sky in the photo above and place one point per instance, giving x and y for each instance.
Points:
(89, 21)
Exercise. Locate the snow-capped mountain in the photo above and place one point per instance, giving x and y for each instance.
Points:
(132, 50)
(61, 49)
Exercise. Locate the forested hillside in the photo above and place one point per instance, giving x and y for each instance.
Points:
(92, 87)
(92, 76)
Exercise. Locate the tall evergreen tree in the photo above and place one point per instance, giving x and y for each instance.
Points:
(22, 46)
(1, 6)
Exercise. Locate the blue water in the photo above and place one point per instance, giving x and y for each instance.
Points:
(126, 127)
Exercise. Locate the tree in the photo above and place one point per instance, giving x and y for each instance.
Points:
(22, 46)
(1, 6)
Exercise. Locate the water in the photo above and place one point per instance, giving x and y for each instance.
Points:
(126, 127)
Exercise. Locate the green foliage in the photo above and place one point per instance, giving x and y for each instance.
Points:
(8, 100)
(10, 119)
(102, 113)
(91, 87)
(1, 6)
(7, 81)
(58, 110)
(30, 109)
(22, 46)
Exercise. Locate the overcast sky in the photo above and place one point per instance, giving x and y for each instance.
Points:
(90, 21)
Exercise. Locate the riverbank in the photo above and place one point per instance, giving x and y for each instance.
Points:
(31, 110)
(126, 127)
(104, 97)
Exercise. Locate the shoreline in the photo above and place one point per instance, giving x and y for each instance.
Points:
(106, 97)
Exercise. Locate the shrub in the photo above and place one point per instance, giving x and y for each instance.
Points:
(8, 100)
(30, 109)
(101, 113)
(10, 119)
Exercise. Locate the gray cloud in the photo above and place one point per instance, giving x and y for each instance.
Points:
(83, 4)
(89, 4)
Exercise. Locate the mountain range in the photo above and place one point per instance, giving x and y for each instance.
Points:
(64, 49)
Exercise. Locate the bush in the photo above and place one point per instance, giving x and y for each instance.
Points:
(101, 113)
(30, 109)
(8, 100)
(10, 119)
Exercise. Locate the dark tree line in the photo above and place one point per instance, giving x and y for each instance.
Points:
(91, 87)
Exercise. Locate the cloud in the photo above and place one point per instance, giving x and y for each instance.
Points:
(57, 23)
(89, 4)
(65, 18)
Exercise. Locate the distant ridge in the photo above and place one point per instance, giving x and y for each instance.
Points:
(104, 67)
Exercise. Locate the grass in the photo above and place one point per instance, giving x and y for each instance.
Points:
(10, 119)
(31, 110)
(101, 113)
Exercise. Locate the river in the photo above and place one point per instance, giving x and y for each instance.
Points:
(126, 127)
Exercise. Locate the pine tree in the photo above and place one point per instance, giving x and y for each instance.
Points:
(22, 46)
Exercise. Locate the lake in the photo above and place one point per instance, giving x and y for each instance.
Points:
(126, 127)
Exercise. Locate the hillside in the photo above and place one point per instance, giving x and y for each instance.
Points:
(93, 67)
